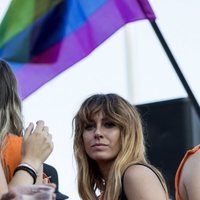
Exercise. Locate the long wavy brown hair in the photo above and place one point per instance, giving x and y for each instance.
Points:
(10, 103)
(127, 118)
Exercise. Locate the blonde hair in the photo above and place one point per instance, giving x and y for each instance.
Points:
(132, 150)
(10, 103)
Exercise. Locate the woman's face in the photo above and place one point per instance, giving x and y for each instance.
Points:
(101, 139)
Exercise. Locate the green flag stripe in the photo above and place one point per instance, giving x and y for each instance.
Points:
(16, 19)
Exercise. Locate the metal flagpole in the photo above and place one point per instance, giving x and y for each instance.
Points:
(176, 67)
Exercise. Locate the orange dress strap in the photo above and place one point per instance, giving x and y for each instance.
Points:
(11, 154)
(179, 170)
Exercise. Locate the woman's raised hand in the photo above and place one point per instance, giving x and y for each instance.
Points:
(37, 145)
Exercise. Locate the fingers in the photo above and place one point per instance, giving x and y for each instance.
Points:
(39, 126)
(53, 185)
(28, 130)
(38, 129)
(46, 129)
(10, 195)
(38, 144)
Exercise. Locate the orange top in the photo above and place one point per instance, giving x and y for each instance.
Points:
(179, 170)
(11, 154)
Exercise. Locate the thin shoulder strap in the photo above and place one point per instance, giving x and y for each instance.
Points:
(123, 195)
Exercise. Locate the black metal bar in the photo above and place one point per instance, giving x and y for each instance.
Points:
(176, 68)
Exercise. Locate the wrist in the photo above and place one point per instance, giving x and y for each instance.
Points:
(27, 168)
(34, 165)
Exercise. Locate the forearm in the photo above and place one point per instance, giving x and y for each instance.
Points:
(3, 184)
(22, 177)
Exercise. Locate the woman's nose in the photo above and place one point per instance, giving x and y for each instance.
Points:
(98, 133)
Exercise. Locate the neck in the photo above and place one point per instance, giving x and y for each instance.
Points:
(105, 168)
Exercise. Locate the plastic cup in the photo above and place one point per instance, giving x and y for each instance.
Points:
(39, 192)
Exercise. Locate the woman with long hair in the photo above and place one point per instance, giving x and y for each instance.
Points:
(21, 156)
(110, 152)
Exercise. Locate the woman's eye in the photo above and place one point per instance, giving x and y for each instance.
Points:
(89, 127)
(109, 124)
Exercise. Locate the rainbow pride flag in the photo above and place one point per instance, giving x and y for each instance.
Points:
(42, 38)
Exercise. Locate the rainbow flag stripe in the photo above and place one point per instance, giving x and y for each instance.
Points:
(59, 34)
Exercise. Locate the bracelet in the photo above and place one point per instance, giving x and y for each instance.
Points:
(29, 166)
(28, 170)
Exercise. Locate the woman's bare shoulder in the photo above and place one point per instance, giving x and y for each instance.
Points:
(141, 182)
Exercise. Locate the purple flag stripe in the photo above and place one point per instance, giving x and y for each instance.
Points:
(103, 23)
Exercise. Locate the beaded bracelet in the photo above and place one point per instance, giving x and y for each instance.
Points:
(28, 170)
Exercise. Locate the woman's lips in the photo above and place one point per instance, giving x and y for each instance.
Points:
(98, 145)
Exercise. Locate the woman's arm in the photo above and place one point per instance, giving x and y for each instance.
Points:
(141, 183)
(189, 186)
(3, 183)
(36, 147)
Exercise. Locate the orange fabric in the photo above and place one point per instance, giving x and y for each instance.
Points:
(179, 170)
(11, 154)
